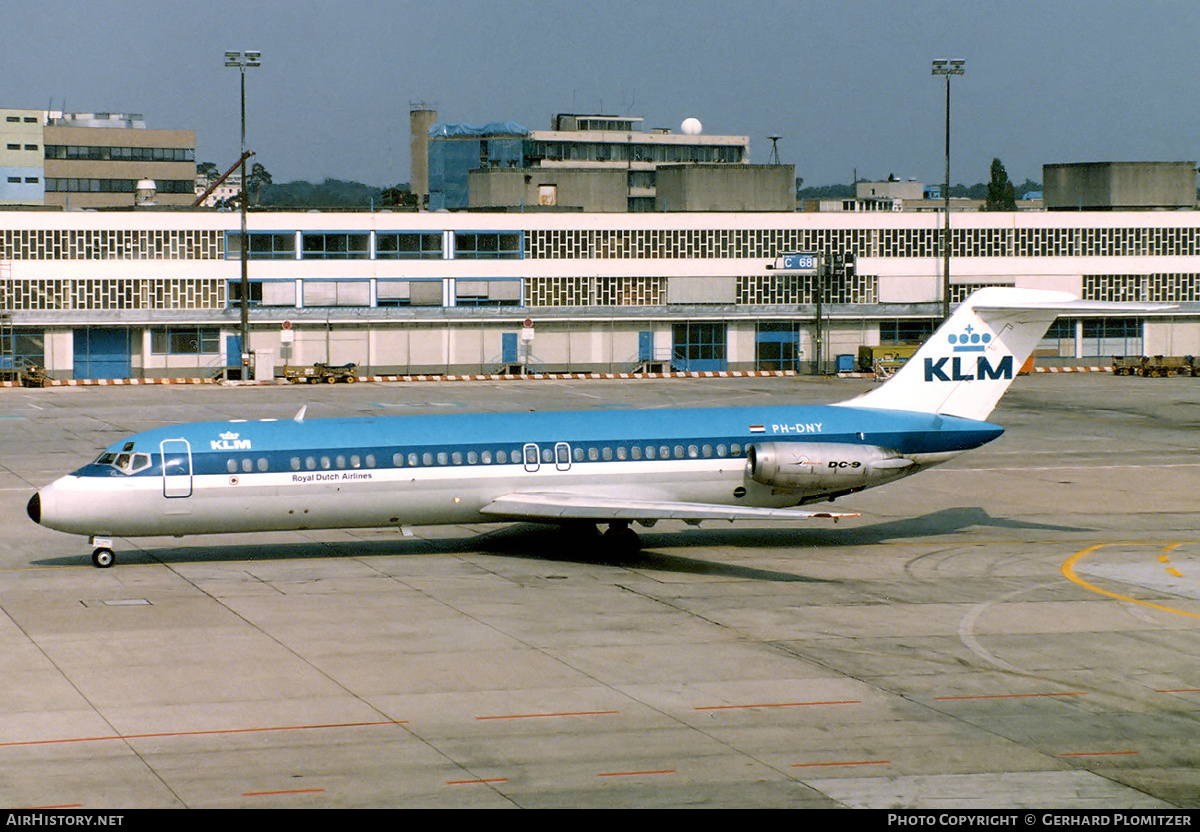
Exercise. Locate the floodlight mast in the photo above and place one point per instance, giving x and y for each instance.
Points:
(947, 67)
(239, 60)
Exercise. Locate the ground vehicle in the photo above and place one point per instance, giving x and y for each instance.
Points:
(327, 373)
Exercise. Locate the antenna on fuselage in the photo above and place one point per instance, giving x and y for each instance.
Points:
(299, 417)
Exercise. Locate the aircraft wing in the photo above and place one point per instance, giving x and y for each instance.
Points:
(548, 506)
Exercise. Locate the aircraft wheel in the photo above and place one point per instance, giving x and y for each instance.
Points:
(622, 539)
(103, 558)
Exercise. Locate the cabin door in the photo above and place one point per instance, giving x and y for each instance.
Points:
(562, 456)
(533, 457)
(176, 467)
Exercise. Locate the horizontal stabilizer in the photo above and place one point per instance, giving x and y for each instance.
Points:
(554, 507)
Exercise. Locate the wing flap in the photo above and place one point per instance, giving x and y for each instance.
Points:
(553, 507)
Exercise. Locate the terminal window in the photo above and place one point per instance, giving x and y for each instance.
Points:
(777, 345)
(22, 349)
(699, 346)
(905, 332)
(263, 246)
(1112, 336)
(235, 292)
(185, 340)
(408, 246)
(335, 246)
(487, 245)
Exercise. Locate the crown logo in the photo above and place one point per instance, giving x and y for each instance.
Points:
(229, 435)
(970, 340)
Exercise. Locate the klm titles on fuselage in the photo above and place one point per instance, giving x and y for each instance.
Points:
(230, 442)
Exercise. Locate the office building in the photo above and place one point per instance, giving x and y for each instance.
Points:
(95, 160)
(22, 178)
(591, 163)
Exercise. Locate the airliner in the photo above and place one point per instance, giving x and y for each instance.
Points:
(576, 469)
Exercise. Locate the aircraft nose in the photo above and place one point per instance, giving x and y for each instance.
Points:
(34, 508)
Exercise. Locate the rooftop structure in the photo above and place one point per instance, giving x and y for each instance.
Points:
(1119, 186)
(583, 156)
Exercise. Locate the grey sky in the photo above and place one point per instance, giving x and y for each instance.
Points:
(846, 84)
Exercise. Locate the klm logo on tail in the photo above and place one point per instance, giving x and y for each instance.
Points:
(961, 368)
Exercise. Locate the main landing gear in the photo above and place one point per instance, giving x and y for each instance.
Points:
(620, 539)
(103, 555)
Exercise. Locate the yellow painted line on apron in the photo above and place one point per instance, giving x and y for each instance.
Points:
(1068, 569)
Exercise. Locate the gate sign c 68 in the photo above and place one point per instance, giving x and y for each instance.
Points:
(799, 262)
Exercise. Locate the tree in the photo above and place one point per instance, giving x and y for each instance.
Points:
(399, 196)
(258, 180)
(208, 170)
(1000, 192)
(331, 193)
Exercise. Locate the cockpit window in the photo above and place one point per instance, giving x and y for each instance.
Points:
(125, 462)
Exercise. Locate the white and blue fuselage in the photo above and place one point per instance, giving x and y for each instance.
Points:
(249, 476)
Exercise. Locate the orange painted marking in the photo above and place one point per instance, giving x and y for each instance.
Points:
(282, 791)
(635, 773)
(218, 732)
(776, 705)
(845, 763)
(548, 715)
(1007, 696)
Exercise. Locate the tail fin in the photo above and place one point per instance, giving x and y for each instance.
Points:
(970, 361)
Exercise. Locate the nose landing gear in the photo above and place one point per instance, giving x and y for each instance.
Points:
(103, 555)
(103, 558)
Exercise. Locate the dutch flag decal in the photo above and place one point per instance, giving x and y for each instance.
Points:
(758, 429)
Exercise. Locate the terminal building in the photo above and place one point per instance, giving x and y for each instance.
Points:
(156, 293)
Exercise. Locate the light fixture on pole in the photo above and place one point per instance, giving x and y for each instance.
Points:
(240, 61)
(947, 67)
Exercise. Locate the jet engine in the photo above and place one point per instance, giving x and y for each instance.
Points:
(818, 468)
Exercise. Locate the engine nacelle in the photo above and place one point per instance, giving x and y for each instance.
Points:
(818, 468)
